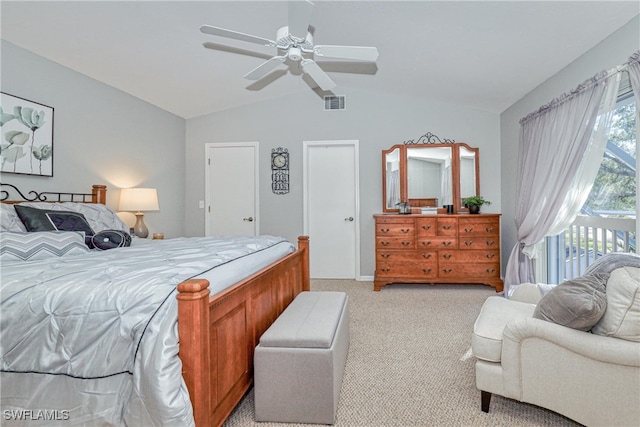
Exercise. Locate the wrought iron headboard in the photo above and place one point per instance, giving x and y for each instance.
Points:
(11, 193)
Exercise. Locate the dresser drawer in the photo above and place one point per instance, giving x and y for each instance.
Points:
(469, 270)
(395, 229)
(479, 242)
(426, 226)
(447, 226)
(391, 242)
(394, 219)
(406, 270)
(437, 243)
(471, 256)
(478, 226)
(391, 255)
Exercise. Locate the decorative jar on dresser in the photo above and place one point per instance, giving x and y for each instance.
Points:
(430, 249)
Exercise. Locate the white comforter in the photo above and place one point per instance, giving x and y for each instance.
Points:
(92, 339)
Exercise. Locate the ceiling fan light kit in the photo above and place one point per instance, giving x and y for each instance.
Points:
(295, 45)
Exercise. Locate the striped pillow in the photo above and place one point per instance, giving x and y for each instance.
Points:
(40, 245)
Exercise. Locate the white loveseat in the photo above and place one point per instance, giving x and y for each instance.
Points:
(592, 375)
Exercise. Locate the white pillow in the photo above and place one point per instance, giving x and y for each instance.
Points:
(621, 319)
(99, 216)
(39, 245)
(9, 219)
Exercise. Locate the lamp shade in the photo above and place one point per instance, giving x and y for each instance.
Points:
(139, 199)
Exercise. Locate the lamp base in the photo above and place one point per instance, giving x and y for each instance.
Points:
(140, 229)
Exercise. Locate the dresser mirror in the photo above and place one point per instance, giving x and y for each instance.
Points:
(391, 172)
(429, 175)
(469, 172)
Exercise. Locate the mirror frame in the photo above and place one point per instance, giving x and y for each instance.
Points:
(455, 169)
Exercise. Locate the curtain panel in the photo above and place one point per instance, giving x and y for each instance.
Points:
(559, 145)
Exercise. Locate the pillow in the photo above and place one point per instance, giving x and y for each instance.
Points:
(622, 317)
(9, 219)
(110, 239)
(40, 245)
(578, 303)
(49, 220)
(99, 216)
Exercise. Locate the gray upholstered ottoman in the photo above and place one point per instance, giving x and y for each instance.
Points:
(299, 363)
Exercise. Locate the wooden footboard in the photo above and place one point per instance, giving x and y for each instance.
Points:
(218, 333)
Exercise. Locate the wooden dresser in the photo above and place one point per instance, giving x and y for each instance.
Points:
(461, 249)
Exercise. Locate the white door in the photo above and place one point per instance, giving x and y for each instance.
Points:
(231, 189)
(331, 208)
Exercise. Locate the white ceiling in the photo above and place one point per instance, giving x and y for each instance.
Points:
(480, 54)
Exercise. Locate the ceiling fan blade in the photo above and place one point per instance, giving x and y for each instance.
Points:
(299, 17)
(216, 31)
(359, 53)
(265, 68)
(317, 74)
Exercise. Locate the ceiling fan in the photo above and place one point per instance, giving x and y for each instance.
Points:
(295, 44)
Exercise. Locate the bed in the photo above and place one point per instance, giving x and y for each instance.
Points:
(187, 346)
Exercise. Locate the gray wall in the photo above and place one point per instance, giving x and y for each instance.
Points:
(609, 53)
(101, 136)
(377, 120)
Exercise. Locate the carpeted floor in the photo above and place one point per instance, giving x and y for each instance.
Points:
(409, 362)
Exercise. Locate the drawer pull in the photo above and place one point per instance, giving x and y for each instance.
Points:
(490, 242)
(491, 270)
(384, 230)
(427, 243)
(406, 243)
(385, 256)
(446, 243)
(426, 270)
(426, 227)
(426, 256)
(490, 255)
(446, 227)
(447, 256)
(405, 230)
(468, 242)
(489, 229)
(385, 270)
(468, 230)
(446, 270)
(383, 243)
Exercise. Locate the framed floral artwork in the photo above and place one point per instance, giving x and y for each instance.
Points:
(26, 144)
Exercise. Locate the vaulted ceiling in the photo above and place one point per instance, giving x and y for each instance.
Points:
(480, 54)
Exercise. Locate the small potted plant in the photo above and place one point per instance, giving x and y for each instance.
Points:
(474, 203)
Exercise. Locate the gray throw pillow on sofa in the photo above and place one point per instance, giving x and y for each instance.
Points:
(578, 303)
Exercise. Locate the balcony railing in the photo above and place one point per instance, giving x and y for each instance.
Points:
(587, 239)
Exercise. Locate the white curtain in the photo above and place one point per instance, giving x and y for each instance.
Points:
(561, 146)
(634, 77)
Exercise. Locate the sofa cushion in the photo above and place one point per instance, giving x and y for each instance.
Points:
(496, 312)
(622, 316)
(578, 303)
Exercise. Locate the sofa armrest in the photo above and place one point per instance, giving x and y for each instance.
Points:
(590, 378)
(596, 347)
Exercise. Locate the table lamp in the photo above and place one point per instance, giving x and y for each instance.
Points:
(138, 200)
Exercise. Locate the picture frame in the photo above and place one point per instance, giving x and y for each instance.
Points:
(26, 136)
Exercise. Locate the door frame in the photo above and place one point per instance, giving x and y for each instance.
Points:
(305, 190)
(256, 174)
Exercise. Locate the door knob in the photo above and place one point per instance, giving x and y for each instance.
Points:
(349, 219)
(250, 219)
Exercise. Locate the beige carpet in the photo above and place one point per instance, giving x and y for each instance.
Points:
(409, 361)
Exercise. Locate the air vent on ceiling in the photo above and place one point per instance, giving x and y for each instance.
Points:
(334, 102)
